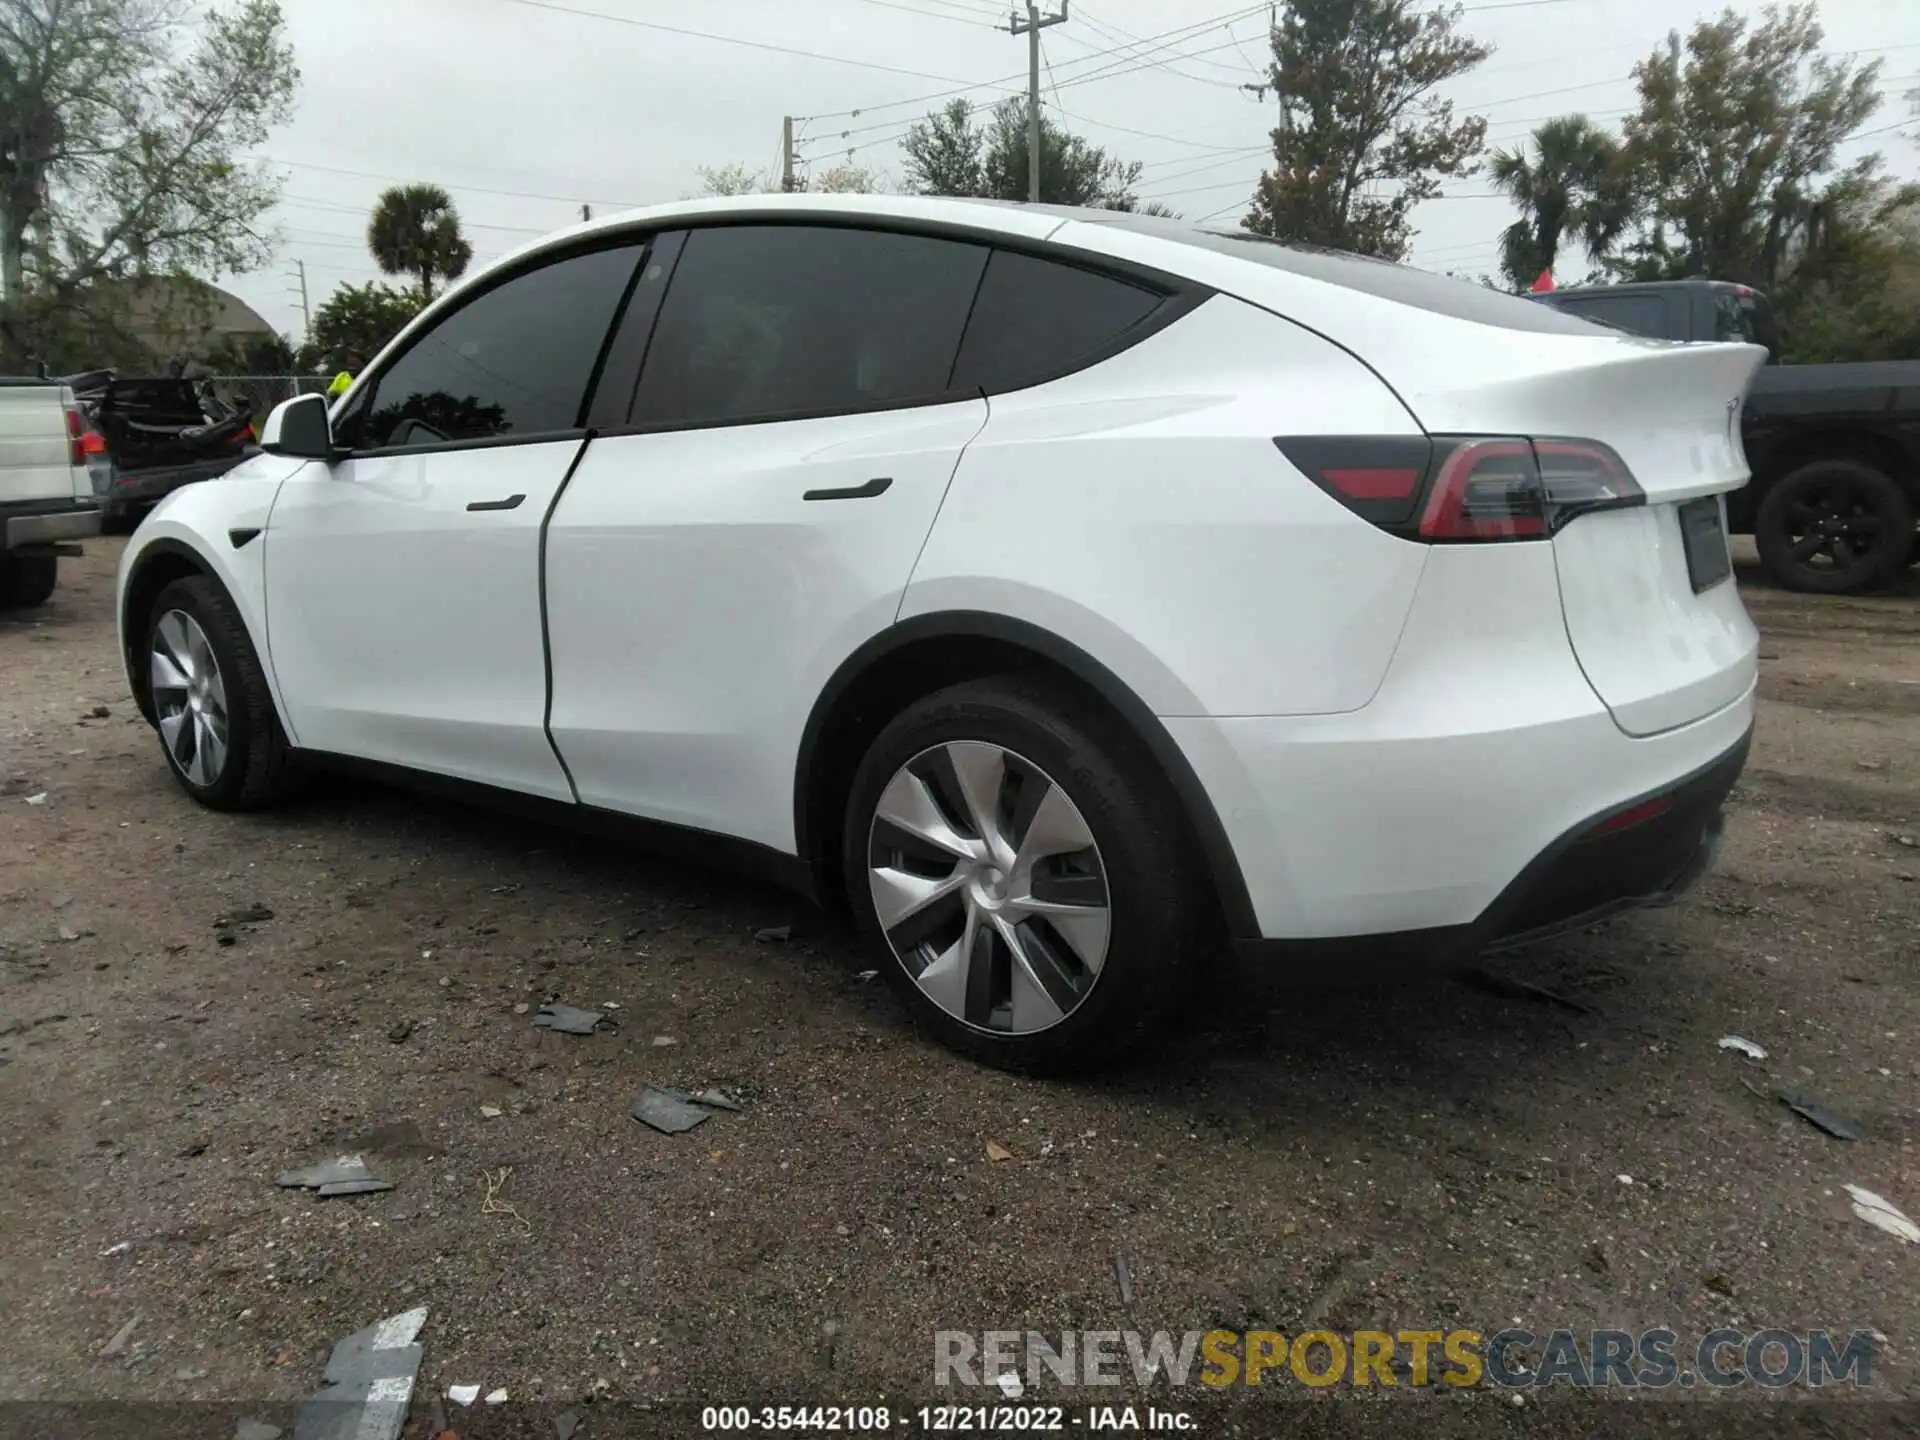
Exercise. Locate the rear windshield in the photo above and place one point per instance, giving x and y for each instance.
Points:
(1441, 294)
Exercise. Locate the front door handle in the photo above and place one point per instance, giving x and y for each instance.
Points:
(512, 502)
(867, 491)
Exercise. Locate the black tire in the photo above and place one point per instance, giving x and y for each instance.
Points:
(1159, 920)
(260, 768)
(27, 580)
(1834, 527)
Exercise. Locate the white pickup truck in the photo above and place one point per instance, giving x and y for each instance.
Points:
(47, 499)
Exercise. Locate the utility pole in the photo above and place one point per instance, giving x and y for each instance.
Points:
(306, 310)
(786, 153)
(1031, 27)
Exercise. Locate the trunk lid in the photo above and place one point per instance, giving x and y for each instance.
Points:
(1647, 593)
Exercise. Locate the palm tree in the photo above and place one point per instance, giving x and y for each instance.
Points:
(1575, 186)
(415, 231)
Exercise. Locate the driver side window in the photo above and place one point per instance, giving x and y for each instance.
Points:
(515, 360)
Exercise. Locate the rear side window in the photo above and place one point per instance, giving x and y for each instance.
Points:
(1037, 319)
(767, 321)
(514, 360)
(1636, 314)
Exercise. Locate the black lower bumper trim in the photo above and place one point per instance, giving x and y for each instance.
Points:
(1595, 870)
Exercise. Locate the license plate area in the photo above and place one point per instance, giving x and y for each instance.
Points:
(1705, 540)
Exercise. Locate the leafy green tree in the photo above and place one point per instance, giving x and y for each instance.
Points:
(1363, 136)
(1574, 184)
(1735, 148)
(123, 142)
(355, 324)
(738, 179)
(951, 152)
(415, 230)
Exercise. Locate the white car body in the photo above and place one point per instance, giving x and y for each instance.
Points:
(1371, 735)
(46, 490)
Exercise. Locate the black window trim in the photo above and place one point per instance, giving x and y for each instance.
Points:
(1181, 297)
(641, 242)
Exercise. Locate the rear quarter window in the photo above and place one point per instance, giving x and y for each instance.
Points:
(1036, 320)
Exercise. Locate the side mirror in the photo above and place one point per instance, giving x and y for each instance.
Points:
(299, 429)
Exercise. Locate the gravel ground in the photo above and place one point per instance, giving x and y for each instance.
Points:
(1420, 1155)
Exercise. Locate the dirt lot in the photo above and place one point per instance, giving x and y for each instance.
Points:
(1424, 1155)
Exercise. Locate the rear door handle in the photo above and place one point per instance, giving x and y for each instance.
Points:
(877, 486)
(512, 502)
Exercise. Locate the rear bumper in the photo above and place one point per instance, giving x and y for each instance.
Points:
(24, 525)
(1627, 857)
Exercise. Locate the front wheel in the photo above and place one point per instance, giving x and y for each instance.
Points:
(222, 740)
(1834, 527)
(1015, 862)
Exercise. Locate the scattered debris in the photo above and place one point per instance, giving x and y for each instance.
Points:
(1745, 1046)
(1882, 1215)
(1816, 1114)
(188, 1377)
(399, 1031)
(122, 1248)
(496, 1397)
(502, 889)
(522, 1008)
(256, 1430)
(775, 933)
(369, 1382)
(673, 1112)
(566, 1422)
(121, 1338)
(1905, 840)
(1718, 1283)
(255, 914)
(491, 1112)
(39, 799)
(463, 1395)
(609, 1004)
(68, 934)
(661, 1042)
(997, 1152)
(492, 1204)
(1123, 1279)
(346, 1175)
(865, 975)
(1596, 1259)
(829, 1343)
(1010, 1384)
(1624, 1179)
(1511, 989)
(570, 1019)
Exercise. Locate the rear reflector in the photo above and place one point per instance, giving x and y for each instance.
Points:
(1636, 815)
(1462, 488)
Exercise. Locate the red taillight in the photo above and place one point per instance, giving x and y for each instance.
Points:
(1636, 815)
(1454, 489)
(82, 440)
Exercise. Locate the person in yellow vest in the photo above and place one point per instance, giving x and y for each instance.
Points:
(342, 383)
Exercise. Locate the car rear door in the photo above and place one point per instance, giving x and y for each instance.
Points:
(403, 583)
(751, 512)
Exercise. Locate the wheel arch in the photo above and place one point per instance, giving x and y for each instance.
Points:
(931, 651)
(161, 561)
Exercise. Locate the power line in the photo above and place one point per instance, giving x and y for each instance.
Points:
(768, 46)
(447, 185)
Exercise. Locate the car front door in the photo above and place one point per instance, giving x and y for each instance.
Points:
(754, 513)
(403, 582)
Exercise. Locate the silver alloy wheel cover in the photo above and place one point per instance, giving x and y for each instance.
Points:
(190, 698)
(960, 840)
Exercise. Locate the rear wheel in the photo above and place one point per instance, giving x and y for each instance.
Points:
(216, 720)
(1016, 865)
(28, 579)
(1834, 527)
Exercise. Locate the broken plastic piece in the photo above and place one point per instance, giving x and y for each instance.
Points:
(1744, 1046)
(369, 1383)
(463, 1395)
(1816, 1114)
(570, 1019)
(496, 1397)
(346, 1175)
(1882, 1215)
(668, 1111)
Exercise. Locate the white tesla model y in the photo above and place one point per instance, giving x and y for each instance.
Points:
(1065, 591)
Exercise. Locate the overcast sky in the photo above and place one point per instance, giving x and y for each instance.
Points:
(527, 109)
